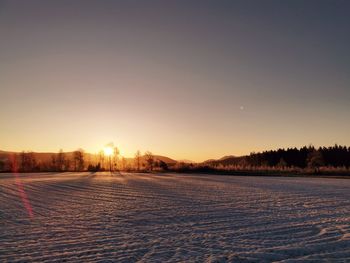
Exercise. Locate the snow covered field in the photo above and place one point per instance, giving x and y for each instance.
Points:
(158, 218)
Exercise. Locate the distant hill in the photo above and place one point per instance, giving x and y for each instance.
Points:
(165, 159)
(185, 161)
(225, 161)
(209, 161)
(227, 157)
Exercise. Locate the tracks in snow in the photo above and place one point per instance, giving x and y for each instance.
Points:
(140, 217)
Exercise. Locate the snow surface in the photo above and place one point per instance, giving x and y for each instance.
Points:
(173, 218)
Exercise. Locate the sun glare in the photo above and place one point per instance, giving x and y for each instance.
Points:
(108, 150)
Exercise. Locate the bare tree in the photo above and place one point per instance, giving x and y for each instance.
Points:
(102, 159)
(78, 157)
(2, 165)
(61, 161)
(67, 164)
(12, 163)
(163, 165)
(53, 163)
(115, 158)
(150, 160)
(23, 161)
(137, 160)
(123, 164)
(28, 162)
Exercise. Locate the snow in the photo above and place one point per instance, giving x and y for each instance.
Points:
(86, 217)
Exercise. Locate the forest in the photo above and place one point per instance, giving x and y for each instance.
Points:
(307, 156)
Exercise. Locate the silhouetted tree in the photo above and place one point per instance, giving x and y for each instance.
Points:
(163, 165)
(78, 157)
(67, 164)
(149, 160)
(94, 168)
(102, 159)
(115, 157)
(315, 160)
(334, 156)
(2, 165)
(12, 163)
(282, 163)
(23, 161)
(137, 160)
(28, 162)
(61, 161)
(53, 163)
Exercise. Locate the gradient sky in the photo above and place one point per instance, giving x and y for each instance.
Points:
(187, 79)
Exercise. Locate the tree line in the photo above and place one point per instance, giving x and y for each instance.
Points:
(78, 161)
(336, 156)
(333, 158)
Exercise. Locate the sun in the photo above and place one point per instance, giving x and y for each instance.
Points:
(108, 150)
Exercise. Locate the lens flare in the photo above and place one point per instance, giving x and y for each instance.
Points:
(20, 188)
(108, 150)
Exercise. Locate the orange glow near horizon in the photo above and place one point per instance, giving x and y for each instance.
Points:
(108, 151)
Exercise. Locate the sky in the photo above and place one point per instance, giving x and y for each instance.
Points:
(186, 79)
